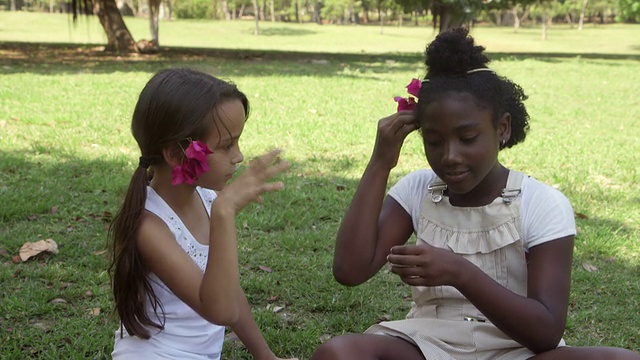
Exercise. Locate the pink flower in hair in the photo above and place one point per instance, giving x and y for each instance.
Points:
(410, 102)
(193, 165)
(414, 87)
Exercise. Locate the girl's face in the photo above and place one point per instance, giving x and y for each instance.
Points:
(230, 118)
(462, 145)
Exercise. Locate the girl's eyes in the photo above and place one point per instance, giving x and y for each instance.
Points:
(468, 139)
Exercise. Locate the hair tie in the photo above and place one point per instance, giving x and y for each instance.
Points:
(470, 72)
(145, 161)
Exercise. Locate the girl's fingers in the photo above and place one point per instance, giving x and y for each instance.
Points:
(408, 249)
(274, 186)
(276, 169)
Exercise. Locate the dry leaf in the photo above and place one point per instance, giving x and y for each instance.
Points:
(385, 317)
(16, 259)
(275, 308)
(54, 209)
(325, 337)
(587, 266)
(33, 217)
(101, 252)
(29, 249)
(93, 311)
(231, 336)
(273, 298)
(3, 251)
(264, 268)
(581, 216)
(341, 187)
(58, 301)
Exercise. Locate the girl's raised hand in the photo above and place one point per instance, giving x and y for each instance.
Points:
(253, 182)
(425, 265)
(392, 131)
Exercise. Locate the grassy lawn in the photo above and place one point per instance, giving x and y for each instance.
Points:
(66, 155)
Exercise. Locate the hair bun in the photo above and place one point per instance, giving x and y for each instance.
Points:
(453, 52)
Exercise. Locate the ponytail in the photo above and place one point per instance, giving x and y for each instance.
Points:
(131, 287)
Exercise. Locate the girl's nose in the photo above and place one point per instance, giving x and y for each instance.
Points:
(238, 158)
(451, 153)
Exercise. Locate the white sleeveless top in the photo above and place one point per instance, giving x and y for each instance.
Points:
(186, 335)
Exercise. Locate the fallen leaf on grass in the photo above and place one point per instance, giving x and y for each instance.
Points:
(16, 259)
(581, 216)
(3, 251)
(265, 268)
(54, 209)
(273, 298)
(587, 266)
(32, 217)
(324, 337)
(341, 187)
(275, 308)
(385, 317)
(30, 249)
(101, 252)
(231, 336)
(93, 311)
(58, 301)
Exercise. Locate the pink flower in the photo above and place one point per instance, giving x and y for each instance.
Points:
(405, 103)
(193, 165)
(414, 87)
(409, 103)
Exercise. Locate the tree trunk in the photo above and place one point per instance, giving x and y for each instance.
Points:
(272, 10)
(297, 12)
(516, 19)
(263, 10)
(569, 19)
(169, 14)
(154, 15)
(13, 5)
(225, 10)
(450, 17)
(241, 12)
(119, 38)
(316, 12)
(544, 22)
(256, 30)
(584, 8)
(381, 16)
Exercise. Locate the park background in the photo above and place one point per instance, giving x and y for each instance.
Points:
(317, 89)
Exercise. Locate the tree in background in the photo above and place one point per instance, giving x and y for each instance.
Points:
(629, 10)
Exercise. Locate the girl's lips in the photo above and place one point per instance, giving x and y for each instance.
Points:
(455, 176)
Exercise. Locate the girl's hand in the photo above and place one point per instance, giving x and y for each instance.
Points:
(426, 265)
(392, 131)
(252, 183)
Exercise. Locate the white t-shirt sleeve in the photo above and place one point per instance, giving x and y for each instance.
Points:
(546, 214)
(409, 192)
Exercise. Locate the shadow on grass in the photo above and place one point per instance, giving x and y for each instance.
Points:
(62, 58)
(283, 31)
(292, 233)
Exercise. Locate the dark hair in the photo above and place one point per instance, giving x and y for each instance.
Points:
(175, 105)
(449, 58)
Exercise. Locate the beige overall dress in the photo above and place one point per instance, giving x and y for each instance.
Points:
(442, 322)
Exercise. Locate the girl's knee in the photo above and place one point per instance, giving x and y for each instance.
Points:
(333, 348)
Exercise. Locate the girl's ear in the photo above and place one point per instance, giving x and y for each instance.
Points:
(172, 156)
(504, 127)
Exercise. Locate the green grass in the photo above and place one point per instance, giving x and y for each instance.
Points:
(65, 142)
